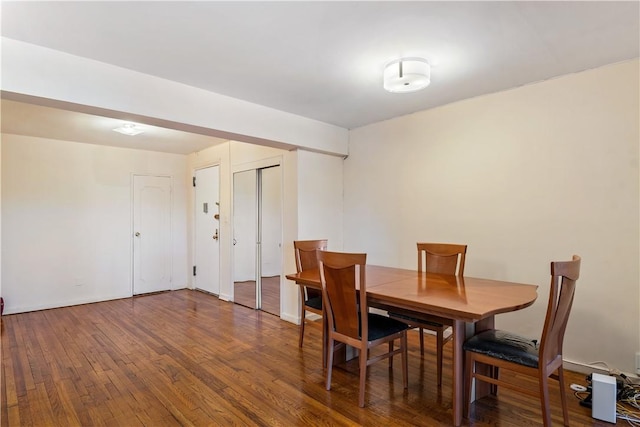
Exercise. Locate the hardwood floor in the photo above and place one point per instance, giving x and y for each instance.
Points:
(186, 358)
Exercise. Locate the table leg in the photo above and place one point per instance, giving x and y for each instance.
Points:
(458, 331)
(482, 388)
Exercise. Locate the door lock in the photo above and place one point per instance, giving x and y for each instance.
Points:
(216, 236)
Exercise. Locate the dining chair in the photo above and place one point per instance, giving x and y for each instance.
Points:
(502, 349)
(310, 298)
(440, 258)
(349, 321)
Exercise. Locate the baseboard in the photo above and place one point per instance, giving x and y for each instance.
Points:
(50, 306)
(290, 318)
(585, 368)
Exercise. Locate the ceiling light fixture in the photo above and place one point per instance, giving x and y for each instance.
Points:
(407, 75)
(129, 129)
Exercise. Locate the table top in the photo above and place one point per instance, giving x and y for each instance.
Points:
(454, 297)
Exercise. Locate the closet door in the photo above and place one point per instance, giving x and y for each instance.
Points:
(257, 251)
(270, 232)
(151, 234)
(245, 237)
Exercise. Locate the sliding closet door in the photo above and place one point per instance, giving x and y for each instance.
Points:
(245, 237)
(270, 229)
(257, 225)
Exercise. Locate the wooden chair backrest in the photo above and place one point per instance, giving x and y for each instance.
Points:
(441, 258)
(563, 286)
(305, 251)
(343, 278)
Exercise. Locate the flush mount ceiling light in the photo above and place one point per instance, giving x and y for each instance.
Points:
(407, 75)
(129, 129)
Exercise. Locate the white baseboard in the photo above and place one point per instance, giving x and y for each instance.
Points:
(585, 368)
(48, 306)
(225, 297)
(291, 318)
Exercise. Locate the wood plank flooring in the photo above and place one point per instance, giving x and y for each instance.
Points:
(186, 358)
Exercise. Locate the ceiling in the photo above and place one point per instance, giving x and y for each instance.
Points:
(324, 60)
(20, 118)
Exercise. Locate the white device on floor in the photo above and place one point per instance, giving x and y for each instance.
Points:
(603, 397)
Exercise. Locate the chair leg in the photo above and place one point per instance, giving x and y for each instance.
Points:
(324, 341)
(329, 351)
(302, 321)
(469, 366)
(303, 314)
(563, 397)
(495, 373)
(544, 400)
(364, 354)
(405, 361)
(439, 345)
(421, 341)
(391, 344)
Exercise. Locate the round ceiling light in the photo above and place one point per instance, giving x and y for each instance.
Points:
(407, 75)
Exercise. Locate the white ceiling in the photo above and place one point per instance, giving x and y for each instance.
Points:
(324, 60)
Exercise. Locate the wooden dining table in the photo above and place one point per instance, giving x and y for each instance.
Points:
(468, 304)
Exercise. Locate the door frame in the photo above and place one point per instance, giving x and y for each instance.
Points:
(193, 219)
(132, 230)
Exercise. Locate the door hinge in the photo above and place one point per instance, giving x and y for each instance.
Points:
(194, 270)
(194, 181)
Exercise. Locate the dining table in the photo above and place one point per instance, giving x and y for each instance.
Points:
(468, 304)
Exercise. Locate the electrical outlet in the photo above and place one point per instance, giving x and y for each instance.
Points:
(638, 363)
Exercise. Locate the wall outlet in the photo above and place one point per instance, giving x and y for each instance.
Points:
(638, 363)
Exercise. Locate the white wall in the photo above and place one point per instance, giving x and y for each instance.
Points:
(66, 215)
(320, 193)
(524, 177)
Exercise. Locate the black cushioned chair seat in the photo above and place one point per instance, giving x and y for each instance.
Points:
(315, 302)
(381, 326)
(504, 345)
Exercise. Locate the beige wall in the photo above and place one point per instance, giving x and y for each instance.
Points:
(524, 177)
(66, 217)
(320, 198)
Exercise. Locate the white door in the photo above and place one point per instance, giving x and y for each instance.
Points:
(151, 234)
(207, 230)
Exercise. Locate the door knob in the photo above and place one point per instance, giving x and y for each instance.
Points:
(216, 236)
(137, 234)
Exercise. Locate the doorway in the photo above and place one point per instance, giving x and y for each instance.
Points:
(207, 230)
(257, 250)
(151, 234)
